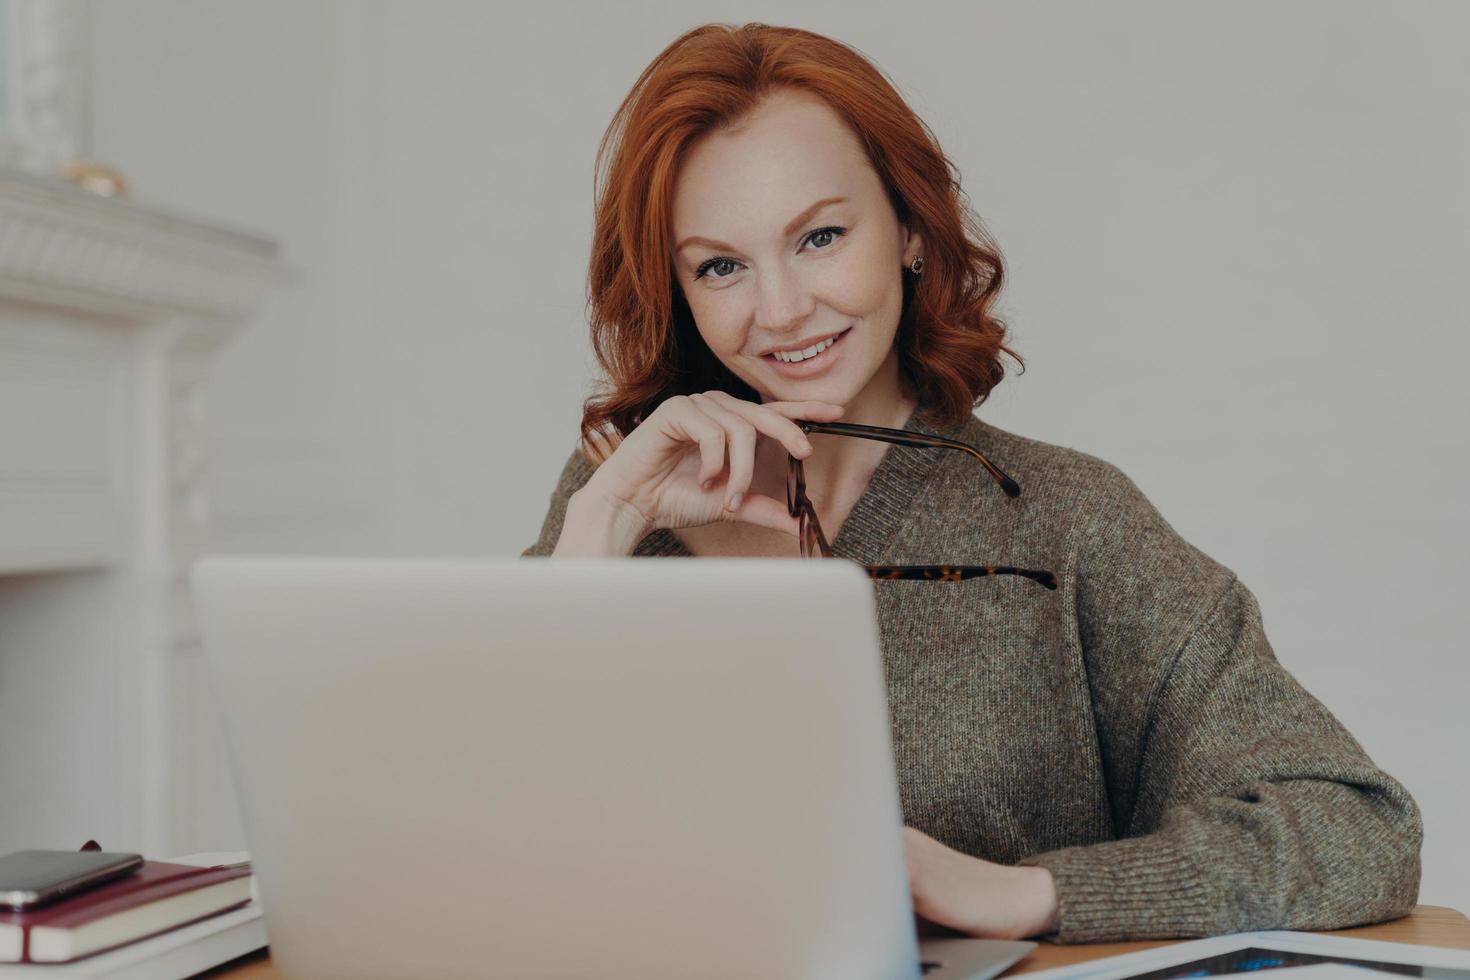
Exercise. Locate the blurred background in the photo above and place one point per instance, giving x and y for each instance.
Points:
(341, 309)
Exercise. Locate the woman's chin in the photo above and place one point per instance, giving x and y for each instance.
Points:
(814, 391)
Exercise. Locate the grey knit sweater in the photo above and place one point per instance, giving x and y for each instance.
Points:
(1131, 731)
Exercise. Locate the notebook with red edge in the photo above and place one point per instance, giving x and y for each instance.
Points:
(158, 897)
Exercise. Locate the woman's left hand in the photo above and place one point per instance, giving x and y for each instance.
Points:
(994, 901)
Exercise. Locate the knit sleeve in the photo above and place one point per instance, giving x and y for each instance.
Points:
(1242, 803)
(573, 475)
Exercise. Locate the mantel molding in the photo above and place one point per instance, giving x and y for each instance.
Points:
(64, 246)
(110, 313)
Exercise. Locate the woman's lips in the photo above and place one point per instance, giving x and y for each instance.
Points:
(811, 365)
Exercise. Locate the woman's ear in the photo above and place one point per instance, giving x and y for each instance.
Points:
(913, 247)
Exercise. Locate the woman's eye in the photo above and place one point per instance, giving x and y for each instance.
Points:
(704, 270)
(825, 235)
(833, 232)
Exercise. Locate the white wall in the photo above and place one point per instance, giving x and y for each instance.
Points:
(1233, 232)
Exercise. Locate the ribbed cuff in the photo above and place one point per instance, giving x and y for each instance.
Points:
(1139, 888)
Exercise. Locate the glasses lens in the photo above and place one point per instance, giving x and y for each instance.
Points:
(808, 534)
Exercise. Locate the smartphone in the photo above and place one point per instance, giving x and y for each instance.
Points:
(32, 878)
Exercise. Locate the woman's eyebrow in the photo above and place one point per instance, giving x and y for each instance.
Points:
(786, 232)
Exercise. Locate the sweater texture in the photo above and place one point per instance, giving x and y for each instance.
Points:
(1132, 731)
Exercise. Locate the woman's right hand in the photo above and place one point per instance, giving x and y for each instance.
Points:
(691, 461)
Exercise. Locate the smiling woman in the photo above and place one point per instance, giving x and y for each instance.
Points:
(742, 213)
(781, 243)
(772, 309)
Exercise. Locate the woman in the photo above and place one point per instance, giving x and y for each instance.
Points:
(780, 240)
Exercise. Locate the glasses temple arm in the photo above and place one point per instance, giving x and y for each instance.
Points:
(921, 440)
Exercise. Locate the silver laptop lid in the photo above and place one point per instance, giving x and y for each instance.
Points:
(563, 768)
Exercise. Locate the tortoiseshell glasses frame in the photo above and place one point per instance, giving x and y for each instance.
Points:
(814, 543)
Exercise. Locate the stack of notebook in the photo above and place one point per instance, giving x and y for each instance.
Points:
(201, 896)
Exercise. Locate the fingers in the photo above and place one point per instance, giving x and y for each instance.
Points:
(704, 430)
(726, 430)
(740, 446)
(826, 411)
(757, 508)
(774, 419)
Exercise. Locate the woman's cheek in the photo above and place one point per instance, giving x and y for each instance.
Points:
(725, 343)
(861, 281)
(725, 340)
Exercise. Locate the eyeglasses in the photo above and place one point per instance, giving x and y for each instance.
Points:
(814, 542)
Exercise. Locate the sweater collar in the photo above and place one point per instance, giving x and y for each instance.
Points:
(892, 492)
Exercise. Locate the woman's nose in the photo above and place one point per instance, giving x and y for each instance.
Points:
(783, 300)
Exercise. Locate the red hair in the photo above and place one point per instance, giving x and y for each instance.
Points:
(949, 340)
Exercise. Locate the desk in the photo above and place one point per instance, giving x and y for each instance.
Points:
(1428, 925)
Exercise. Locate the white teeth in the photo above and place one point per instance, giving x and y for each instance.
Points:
(792, 356)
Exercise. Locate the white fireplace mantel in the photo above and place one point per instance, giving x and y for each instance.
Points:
(108, 314)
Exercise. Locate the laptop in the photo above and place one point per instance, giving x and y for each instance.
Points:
(556, 768)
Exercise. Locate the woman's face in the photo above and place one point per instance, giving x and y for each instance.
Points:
(785, 239)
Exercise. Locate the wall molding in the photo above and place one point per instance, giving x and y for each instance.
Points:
(109, 313)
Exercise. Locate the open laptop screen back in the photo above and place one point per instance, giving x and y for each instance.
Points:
(560, 768)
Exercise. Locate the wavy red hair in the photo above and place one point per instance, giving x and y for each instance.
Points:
(949, 339)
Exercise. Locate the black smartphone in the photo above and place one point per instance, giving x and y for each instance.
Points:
(32, 878)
